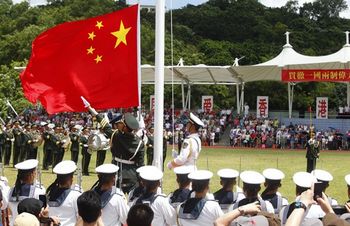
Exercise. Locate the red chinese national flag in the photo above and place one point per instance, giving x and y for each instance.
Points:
(95, 58)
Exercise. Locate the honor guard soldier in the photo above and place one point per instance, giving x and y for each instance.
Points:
(74, 147)
(183, 192)
(101, 153)
(324, 178)
(48, 145)
(149, 145)
(164, 213)
(226, 196)
(17, 133)
(9, 139)
(191, 146)
(127, 150)
(312, 153)
(84, 151)
(62, 198)
(26, 186)
(113, 203)
(251, 186)
(199, 210)
(272, 183)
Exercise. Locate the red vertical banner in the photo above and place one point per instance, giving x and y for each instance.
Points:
(322, 107)
(207, 103)
(262, 107)
(151, 103)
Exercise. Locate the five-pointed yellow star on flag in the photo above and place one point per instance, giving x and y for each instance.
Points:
(99, 24)
(98, 59)
(90, 50)
(121, 34)
(92, 35)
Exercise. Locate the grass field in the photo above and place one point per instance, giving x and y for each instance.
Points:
(336, 162)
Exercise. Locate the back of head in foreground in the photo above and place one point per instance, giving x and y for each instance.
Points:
(89, 206)
(140, 215)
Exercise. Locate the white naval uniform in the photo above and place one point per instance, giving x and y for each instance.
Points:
(67, 212)
(36, 190)
(190, 150)
(5, 189)
(116, 210)
(164, 213)
(210, 212)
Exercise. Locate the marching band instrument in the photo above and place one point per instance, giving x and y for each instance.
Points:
(96, 142)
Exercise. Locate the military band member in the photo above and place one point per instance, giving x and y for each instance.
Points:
(62, 196)
(35, 136)
(272, 183)
(48, 145)
(114, 206)
(226, 196)
(59, 140)
(199, 210)
(191, 146)
(17, 133)
(84, 150)
(164, 213)
(27, 143)
(183, 192)
(9, 139)
(101, 154)
(127, 149)
(312, 153)
(25, 186)
(324, 178)
(149, 145)
(251, 186)
(74, 147)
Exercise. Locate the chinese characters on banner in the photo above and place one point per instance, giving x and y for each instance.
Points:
(207, 103)
(262, 107)
(334, 75)
(322, 107)
(151, 102)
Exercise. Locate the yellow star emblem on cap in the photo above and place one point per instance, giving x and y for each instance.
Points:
(121, 34)
(99, 24)
(98, 59)
(92, 35)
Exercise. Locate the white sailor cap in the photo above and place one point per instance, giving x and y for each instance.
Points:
(107, 169)
(151, 173)
(51, 125)
(43, 123)
(183, 169)
(194, 119)
(303, 179)
(273, 174)
(252, 177)
(27, 164)
(143, 168)
(228, 173)
(65, 167)
(347, 179)
(322, 175)
(200, 175)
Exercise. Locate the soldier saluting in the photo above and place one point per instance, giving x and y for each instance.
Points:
(312, 153)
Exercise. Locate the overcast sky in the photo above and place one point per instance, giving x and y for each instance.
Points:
(181, 3)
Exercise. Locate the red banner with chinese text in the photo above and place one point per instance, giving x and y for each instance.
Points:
(336, 75)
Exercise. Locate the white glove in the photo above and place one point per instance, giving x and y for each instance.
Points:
(174, 153)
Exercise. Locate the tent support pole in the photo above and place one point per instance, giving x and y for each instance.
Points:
(237, 99)
(189, 96)
(348, 94)
(183, 96)
(289, 102)
(242, 97)
(292, 98)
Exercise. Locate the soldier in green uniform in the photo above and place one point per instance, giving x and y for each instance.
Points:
(9, 138)
(127, 149)
(149, 145)
(2, 141)
(84, 151)
(58, 140)
(74, 148)
(27, 146)
(312, 153)
(48, 145)
(17, 133)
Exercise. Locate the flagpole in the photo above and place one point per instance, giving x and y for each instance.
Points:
(159, 84)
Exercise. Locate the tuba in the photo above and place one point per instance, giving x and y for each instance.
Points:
(37, 138)
(96, 142)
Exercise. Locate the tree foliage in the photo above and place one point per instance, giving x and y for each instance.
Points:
(214, 33)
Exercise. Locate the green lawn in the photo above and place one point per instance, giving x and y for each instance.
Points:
(337, 163)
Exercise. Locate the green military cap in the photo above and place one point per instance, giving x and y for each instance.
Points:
(131, 121)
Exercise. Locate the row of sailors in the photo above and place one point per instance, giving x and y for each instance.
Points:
(190, 204)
